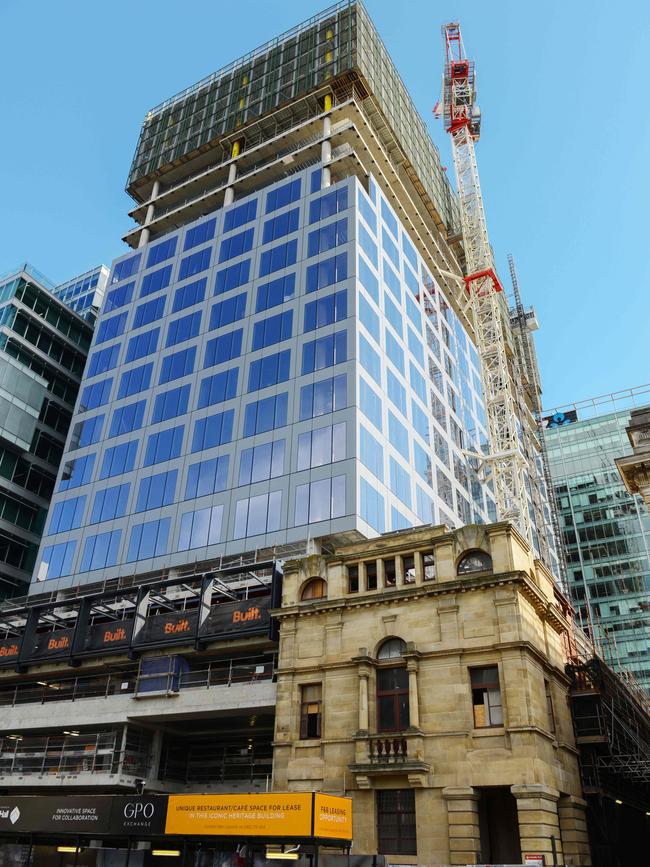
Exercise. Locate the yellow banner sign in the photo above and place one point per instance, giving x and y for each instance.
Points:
(332, 817)
(266, 815)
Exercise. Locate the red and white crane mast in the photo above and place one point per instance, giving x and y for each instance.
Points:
(506, 457)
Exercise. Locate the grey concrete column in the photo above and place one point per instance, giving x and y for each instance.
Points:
(326, 152)
(229, 195)
(151, 210)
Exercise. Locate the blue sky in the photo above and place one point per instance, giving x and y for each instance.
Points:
(563, 156)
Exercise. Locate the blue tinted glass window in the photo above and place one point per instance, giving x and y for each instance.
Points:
(370, 359)
(183, 328)
(278, 257)
(413, 313)
(369, 318)
(237, 244)
(171, 404)
(207, 477)
(77, 472)
(388, 217)
(278, 227)
(156, 491)
(392, 281)
(320, 398)
(366, 210)
(118, 297)
(284, 195)
(148, 540)
(223, 348)
(103, 360)
(215, 389)
(194, 263)
(136, 380)
(416, 347)
(110, 503)
(189, 295)
(110, 328)
(367, 244)
(372, 506)
(398, 435)
(396, 391)
(100, 551)
(214, 430)
(411, 280)
(327, 205)
(118, 459)
(164, 446)
(264, 415)
(315, 181)
(67, 515)
(58, 559)
(95, 395)
(232, 277)
(327, 238)
(324, 352)
(368, 280)
(161, 252)
(327, 272)
(127, 418)
(126, 268)
(199, 234)
(149, 311)
(156, 281)
(200, 528)
(258, 515)
(325, 311)
(227, 312)
(87, 432)
(393, 315)
(394, 351)
(240, 215)
(400, 483)
(423, 506)
(390, 248)
(420, 421)
(276, 292)
(269, 370)
(272, 330)
(142, 345)
(262, 462)
(422, 463)
(177, 364)
(371, 453)
(417, 383)
(370, 404)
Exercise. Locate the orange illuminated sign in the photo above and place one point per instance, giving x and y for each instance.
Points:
(265, 815)
(332, 817)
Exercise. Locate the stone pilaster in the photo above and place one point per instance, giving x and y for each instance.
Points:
(464, 831)
(539, 821)
(573, 827)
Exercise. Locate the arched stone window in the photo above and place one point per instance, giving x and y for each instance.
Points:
(392, 648)
(474, 561)
(314, 589)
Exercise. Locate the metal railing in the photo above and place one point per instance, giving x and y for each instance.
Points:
(217, 673)
(96, 753)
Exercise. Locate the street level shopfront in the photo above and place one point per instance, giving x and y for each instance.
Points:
(197, 830)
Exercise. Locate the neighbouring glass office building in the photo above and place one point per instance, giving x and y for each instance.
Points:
(283, 355)
(84, 294)
(606, 529)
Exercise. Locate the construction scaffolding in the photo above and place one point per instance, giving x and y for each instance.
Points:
(611, 721)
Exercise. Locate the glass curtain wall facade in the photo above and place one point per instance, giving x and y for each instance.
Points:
(606, 534)
(43, 350)
(282, 369)
(84, 293)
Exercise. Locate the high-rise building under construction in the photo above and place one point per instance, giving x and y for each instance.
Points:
(286, 353)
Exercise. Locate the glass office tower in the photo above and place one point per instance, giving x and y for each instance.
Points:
(284, 368)
(84, 294)
(43, 350)
(606, 529)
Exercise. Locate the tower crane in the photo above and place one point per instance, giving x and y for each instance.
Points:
(508, 419)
